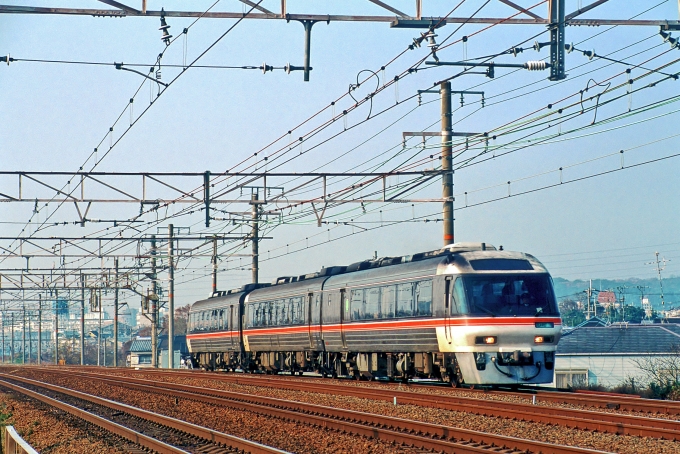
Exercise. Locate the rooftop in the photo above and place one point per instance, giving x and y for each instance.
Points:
(621, 339)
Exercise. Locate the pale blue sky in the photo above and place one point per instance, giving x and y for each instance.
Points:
(53, 115)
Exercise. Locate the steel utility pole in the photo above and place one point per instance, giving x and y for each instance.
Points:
(171, 297)
(115, 317)
(556, 13)
(82, 319)
(39, 329)
(154, 306)
(447, 177)
(254, 236)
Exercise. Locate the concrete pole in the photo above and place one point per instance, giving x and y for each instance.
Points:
(254, 237)
(115, 317)
(23, 334)
(214, 270)
(154, 306)
(447, 177)
(56, 327)
(40, 328)
(82, 319)
(171, 296)
(3, 336)
(30, 339)
(11, 351)
(98, 302)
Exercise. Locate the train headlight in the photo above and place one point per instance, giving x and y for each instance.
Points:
(488, 340)
(543, 339)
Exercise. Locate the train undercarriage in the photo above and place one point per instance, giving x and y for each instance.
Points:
(360, 366)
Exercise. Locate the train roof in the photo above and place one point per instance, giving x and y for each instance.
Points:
(456, 258)
(225, 297)
(290, 288)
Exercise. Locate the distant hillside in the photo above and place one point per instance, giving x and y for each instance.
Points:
(671, 288)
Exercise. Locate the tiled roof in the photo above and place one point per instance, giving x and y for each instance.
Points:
(144, 345)
(140, 346)
(621, 339)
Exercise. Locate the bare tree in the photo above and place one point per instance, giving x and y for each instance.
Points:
(662, 371)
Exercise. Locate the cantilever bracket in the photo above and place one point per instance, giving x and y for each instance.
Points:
(82, 216)
(319, 218)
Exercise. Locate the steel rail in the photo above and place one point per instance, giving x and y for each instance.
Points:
(612, 402)
(110, 426)
(616, 423)
(173, 423)
(400, 430)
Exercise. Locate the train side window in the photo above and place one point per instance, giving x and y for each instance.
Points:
(356, 303)
(298, 314)
(405, 300)
(372, 308)
(388, 300)
(252, 322)
(423, 297)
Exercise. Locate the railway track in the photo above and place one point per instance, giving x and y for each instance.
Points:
(616, 423)
(596, 400)
(403, 432)
(148, 430)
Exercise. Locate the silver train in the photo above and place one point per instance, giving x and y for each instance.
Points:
(465, 314)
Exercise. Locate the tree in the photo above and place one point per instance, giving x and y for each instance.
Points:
(181, 319)
(662, 373)
(633, 314)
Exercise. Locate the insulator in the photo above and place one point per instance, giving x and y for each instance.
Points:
(535, 65)
(158, 75)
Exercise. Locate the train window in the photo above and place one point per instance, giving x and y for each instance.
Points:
(423, 297)
(356, 303)
(501, 265)
(405, 306)
(388, 300)
(528, 295)
(458, 298)
(372, 306)
(298, 314)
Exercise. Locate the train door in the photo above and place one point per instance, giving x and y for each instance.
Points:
(310, 322)
(344, 317)
(230, 323)
(447, 309)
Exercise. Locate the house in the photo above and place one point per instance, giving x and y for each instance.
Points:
(140, 353)
(609, 355)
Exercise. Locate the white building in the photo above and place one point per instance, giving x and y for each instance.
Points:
(607, 355)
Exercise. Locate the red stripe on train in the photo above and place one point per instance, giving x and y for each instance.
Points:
(382, 325)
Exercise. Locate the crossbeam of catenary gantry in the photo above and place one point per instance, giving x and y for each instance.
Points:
(124, 10)
(149, 188)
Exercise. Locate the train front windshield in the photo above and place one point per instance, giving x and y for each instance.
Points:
(526, 295)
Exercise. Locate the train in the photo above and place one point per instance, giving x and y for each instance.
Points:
(466, 314)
